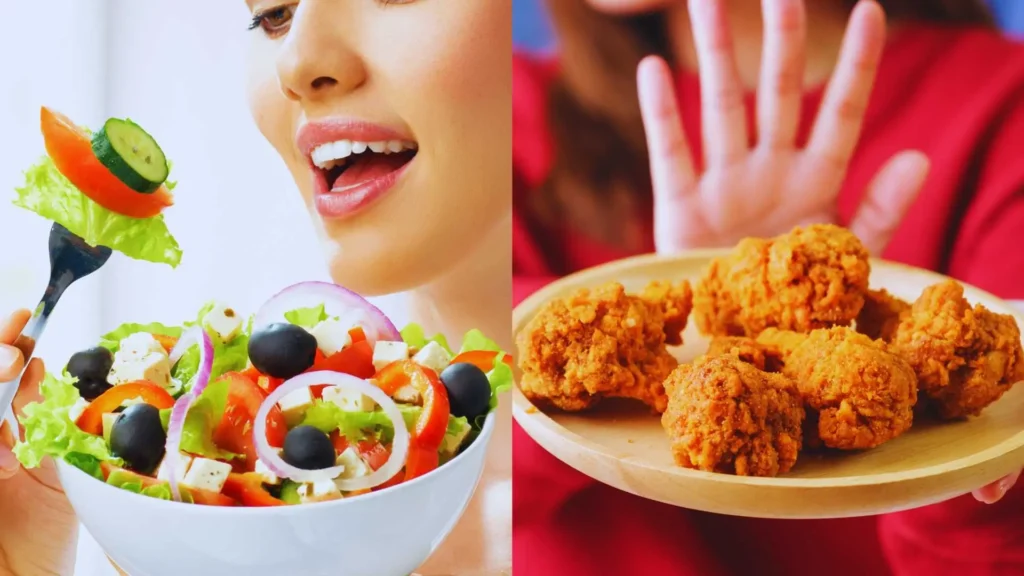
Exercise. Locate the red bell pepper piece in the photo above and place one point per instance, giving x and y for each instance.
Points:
(482, 359)
(248, 489)
(91, 420)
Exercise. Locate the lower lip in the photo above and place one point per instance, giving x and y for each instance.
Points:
(354, 199)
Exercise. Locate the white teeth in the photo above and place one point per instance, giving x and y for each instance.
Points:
(327, 156)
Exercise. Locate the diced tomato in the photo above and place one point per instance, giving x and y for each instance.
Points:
(252, 374)
(482, 359)
(339, 441)
(356, 360)
(433, 422)
(91, 420)
(199, 496)
(373, 453)
(248, 489)
(234, 432)
(167, 342)
(357, 334)
(71, 150)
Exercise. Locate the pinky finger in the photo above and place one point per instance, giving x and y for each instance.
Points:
(995, 491)
(887, 199)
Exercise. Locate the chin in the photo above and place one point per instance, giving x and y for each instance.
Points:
(381, 266)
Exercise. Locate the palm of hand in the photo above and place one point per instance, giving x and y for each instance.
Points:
(767, 190)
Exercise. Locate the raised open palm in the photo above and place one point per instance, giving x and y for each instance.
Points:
(768, 189)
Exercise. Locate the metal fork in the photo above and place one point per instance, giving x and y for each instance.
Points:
(71, 258)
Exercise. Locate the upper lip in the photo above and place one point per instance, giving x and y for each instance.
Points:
(316, 132)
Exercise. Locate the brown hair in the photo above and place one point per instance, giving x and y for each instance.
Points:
(600, 167)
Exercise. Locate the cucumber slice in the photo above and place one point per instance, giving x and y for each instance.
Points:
(131, 154)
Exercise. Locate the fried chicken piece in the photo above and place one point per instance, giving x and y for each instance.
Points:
(812, 277)
(725, 415)
(965, 357)
(779, 344)
(746, 349)
(881, 314)
(862, 394)
(604, 343)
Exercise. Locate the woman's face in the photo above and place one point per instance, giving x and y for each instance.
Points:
(394, 120)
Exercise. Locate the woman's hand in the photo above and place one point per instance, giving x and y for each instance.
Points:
(767, 190)
(37, 524)
(995, 491)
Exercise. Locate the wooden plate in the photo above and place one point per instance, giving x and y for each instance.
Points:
(623, 445)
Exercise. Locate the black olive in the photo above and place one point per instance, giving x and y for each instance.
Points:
(91, 364)
(91, 389)
(469, 391)
(138, 437)
(308, 448)
(282, 350)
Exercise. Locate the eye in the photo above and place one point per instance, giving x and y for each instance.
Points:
(273, 21)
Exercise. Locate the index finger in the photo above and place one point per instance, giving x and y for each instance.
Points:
(12, 327)
(672, 171)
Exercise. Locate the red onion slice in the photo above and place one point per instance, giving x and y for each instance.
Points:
(336, 300)
(177, 421)
(270, 458)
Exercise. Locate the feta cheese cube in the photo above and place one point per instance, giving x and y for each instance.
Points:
(153, 367)
(407, 395)
(207, 474)
(385, 353)
(294, 404)
(224, 321)
(452, 442)
(433, 356)
(139, 345)
(349, 400)
(331, 336)
(108, 424)
(354, 465)
(268, 476)
(77, 408)
(181, 467)
(323, 489)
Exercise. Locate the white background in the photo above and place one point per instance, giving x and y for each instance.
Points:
(177, 67)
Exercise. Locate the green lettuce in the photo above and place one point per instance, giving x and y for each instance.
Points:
(112, 340)
(308, 318)
(201, 421)
(414, 336)
(48, 193)
(86, 463)
(354, 426)
(133, 483)
(49, 430)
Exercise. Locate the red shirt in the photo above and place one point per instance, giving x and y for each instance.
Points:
(958, 96)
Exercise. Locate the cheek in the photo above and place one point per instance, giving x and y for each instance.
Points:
(450, 80)
(274, 115)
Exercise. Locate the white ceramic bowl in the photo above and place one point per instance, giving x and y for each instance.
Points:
(387, 533)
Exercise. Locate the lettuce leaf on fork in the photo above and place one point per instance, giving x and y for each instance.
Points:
(50, 194)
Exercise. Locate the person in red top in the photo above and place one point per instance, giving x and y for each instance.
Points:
(916, 143)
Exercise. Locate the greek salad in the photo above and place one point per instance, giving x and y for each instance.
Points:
(315, 397)
(109, 187)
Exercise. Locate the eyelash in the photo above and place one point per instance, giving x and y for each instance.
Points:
(259, 20)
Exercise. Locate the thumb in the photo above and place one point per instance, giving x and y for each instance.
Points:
(887, 199)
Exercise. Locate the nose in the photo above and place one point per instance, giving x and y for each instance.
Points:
(316, 61)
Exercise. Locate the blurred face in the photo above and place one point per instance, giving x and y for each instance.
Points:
(394, 119)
